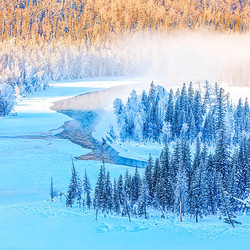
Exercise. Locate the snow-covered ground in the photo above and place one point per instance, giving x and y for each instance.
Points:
(30, 155)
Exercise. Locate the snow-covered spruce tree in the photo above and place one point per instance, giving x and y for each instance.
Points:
(222, 150)
(148, 177)
(144, 199)
(246, 116)
(116, 201)
(181, 187)
(242, 165)
(197, 111)
(128, 190)
(225, 207)
(207, 97)
(74, 189)
(120, 191)
(136, 187)
(213, 194)
(87, 190)
(163, 190)
(232, 188)
(238, 121)
(100, 203)
(155, 176)
(200, 191)
(123, 194)
(209, 130)
(109, 193)
(169, 115)
(52, 194)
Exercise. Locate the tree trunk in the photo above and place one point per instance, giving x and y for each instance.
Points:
(229, 218)
(128, 213)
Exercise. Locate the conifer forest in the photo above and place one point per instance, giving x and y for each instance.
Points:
(125, 124)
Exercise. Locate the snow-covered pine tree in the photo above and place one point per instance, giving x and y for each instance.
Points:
(128, 189)
(144, 199)
(135, 187)
(52, 194)
(155, 176)
(116, 202)
(148, 176)
(213, 194)
(225, 207)
(207, 97)
(197, 111)
(74, 189)
(109, 193)
(190, 96)
(181, 189)
(246, 116)
(169, 115)
(87, 190)
(221, 152)
(163, 194)
(120, 191)
(100, 203)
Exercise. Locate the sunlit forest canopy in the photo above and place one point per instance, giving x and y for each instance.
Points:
(95, 20)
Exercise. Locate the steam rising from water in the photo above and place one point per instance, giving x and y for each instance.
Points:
(190, 56)
(171, 60)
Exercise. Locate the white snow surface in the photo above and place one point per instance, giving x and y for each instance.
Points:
(30, 155)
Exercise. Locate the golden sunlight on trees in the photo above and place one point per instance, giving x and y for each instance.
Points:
(97, 21)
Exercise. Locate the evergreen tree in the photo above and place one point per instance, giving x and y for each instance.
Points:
(224, 204)
(136, 187)
(207, 97)
(120, 191)
(170, 108)
(200, 192)
(197, 111)
(148, 176)
(100, 192)
(208, 133)
(184, 99)
(165, 189)
(87, 190)
(155, 175)
(181, 191)
(74, 189)
(109, 193)
(238, 118)
(190, 96)
(143, 201)
(116, 201)
(246, 116)
(128, 190)
(52, 193)
(213, 194)
(192, 131)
